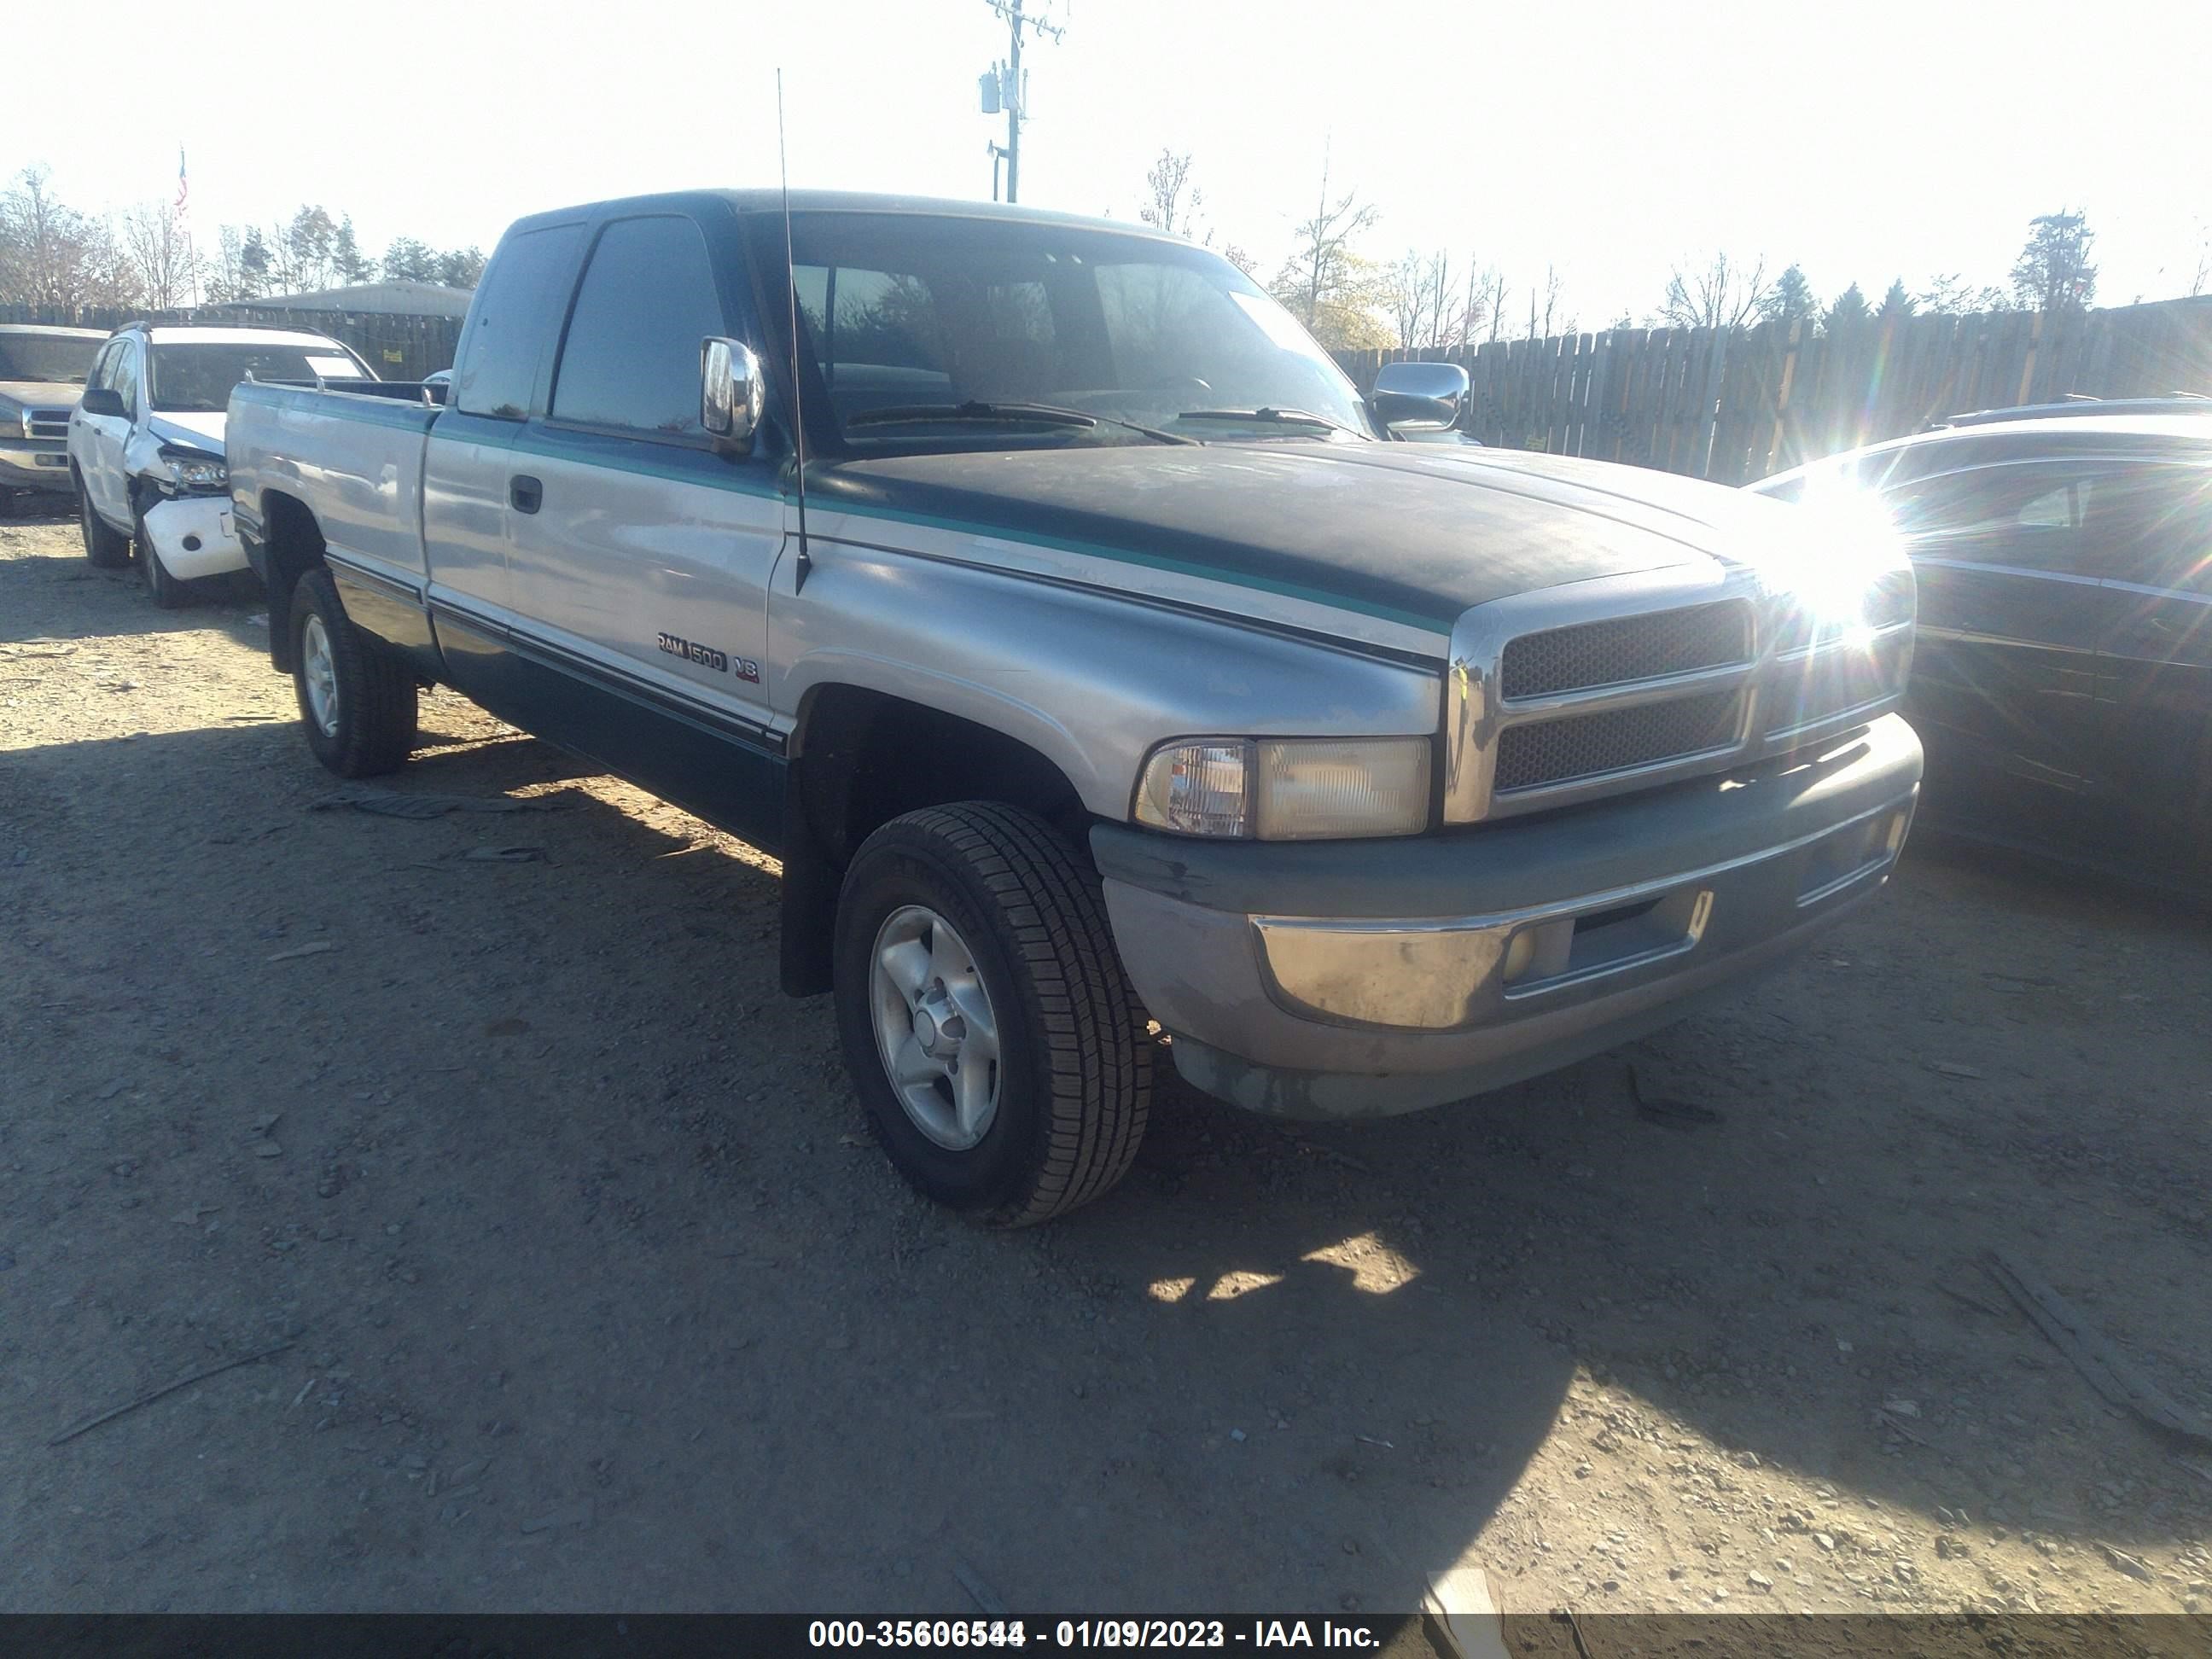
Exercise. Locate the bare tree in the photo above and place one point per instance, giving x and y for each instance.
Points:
(52, 255)
(1555, 313)
(1492, 293)
(1424, 301)
(1164, 207)
(160, 255)
(1325, 282)
(1949, 296)
(1720, 294)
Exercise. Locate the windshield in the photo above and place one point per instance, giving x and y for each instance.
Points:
(197, 380)
(913, 314)
(55, 359)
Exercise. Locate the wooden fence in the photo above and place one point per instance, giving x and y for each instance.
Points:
(398, 348)
(1734, 406)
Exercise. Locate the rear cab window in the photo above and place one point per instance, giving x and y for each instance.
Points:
(513, 322)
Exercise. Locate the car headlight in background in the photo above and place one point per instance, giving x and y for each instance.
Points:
(194, 472)
(1287, 788)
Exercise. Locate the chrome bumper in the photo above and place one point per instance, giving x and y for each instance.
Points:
(35, 464)
(1582, 932)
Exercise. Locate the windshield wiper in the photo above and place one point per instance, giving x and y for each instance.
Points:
(1303, 418)
(976, 409)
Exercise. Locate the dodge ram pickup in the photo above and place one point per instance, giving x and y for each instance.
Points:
(1095, 657)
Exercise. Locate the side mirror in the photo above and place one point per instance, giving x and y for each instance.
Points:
(104, 400)
(730, 391)
(1419, 397)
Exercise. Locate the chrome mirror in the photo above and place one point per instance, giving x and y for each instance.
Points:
(730, 391)
(1419, 397)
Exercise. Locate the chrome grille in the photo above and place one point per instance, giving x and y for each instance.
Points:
(1594, 688)
(1541, 753)
(46, 423)
(1625, 649)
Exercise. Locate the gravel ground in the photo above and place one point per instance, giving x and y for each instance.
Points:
(596, 1296)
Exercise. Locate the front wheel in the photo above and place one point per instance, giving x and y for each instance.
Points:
(985, 1016)
(106, 548)
(356, 694)
(166, 590)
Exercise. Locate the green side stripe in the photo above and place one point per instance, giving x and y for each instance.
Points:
(711, 473)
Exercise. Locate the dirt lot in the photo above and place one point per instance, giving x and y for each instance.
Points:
(596, 1296)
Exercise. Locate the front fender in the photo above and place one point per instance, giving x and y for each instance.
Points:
(1092, 680)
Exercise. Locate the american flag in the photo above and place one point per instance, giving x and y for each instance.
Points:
(183, 187)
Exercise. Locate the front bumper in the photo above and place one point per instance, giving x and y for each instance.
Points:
(1360, 979)
(196, 535)
(35, 464)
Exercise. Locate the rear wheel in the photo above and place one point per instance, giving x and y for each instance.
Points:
(985, 1016)
(109, 550)
(356, 694)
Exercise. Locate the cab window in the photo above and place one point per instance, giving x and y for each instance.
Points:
(515, 315)
(631, 359)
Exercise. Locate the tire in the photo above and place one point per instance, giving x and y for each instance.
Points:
(363, 690)
(167, 591)
(105, 549)
(1073, 1076)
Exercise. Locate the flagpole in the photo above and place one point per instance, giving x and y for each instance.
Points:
(185, 224)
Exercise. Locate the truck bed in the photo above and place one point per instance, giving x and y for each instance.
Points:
(363, 483)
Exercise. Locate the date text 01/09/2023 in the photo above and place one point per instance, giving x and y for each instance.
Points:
(1075, 1634)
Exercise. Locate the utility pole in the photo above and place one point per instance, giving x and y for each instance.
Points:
(1013, 91)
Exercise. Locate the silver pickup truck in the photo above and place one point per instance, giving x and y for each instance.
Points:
(1109, 661)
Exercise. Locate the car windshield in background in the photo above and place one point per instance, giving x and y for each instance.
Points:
(946, 330)
(197, 380)
(51, 359)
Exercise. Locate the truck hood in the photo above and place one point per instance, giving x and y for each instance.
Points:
(190, 430)
(40, 394)
(1406, 533)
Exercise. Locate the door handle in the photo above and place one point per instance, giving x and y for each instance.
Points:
(525, 494)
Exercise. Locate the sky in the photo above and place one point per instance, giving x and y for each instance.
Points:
(1612, 142)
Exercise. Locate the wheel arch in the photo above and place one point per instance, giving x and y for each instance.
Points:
(860, 757)
(291, 545)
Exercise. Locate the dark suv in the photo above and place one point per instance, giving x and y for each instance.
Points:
(2062, 675)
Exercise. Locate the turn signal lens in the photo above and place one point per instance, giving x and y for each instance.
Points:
(1287, 788)
(1199, 789)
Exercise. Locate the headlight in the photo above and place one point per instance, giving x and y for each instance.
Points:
(192, 473)
(1287, 788)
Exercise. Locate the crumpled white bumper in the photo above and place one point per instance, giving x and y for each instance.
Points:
(195, 537)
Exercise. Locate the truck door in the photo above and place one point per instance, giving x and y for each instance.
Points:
(2153, 522)
(642, 553)
(2004, 686)
(467, 517)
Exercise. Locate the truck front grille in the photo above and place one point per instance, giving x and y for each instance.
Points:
(46, 423)
(1573, 693)
(1625, 649)
(1541, 753)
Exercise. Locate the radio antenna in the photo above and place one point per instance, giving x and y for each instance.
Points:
(805, 563)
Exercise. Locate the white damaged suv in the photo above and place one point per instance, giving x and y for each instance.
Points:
(146, 443)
